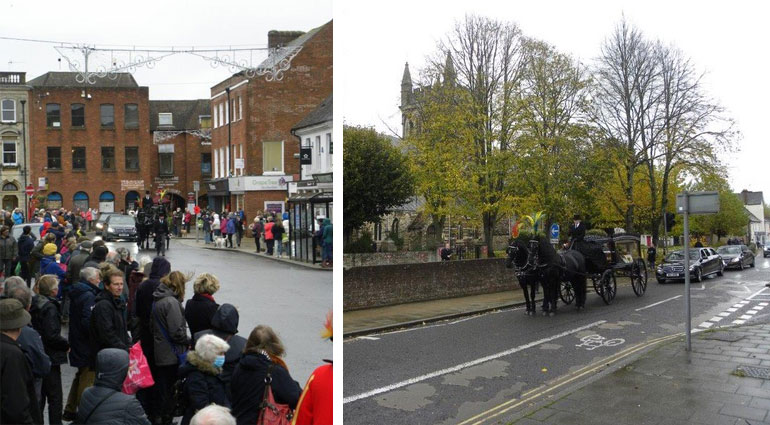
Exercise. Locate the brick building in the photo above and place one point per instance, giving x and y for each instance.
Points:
(252, 145)
(181, 152)
(14, 122)
(90, 144)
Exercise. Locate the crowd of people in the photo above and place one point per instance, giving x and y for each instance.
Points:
(108, 302)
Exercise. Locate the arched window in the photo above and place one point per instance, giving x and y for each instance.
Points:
(132, 199)
(106, 196)
(394, 228)
(107, 202)
(80, 201)
(10, 187)
(54, 200)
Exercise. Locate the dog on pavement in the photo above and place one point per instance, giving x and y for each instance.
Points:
(219, 241)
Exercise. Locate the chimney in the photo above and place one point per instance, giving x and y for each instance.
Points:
(281, 38)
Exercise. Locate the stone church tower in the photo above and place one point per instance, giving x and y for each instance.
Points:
(409, 114)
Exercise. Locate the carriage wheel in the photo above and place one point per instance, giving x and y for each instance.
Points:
(566, 292)
(639, 277)
(608, 286)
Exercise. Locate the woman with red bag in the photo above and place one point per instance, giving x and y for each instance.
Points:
(263, 354)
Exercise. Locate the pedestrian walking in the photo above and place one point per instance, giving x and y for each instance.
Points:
(161, 233)
(239, 230)
(170, 340)
(46, 319)
(278, 232)
(230, 229)
(178, 217)
(206, 219)
(26, 243)
(187, 220)
(256, 232)
(224, 324)
(269, 241)
(201, 372)
(200, 309)
(262, 355)
(9, 251)
(651, 256)
(105, 403)
(327, 240)
(19, 404)
(83, 296)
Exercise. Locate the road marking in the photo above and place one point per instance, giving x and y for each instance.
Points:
(739, 322)
(550, 387)
(763, 304)
(745, 317)
(370, 338)
(756, 293)
(752, 312)
(657, 303)
(413, 329)
(732, 310)
(716, 319)
(462, 320)
(706, 324)
(724, 314)
(462, 366)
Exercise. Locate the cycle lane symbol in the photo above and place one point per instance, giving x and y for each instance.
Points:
(592, 342)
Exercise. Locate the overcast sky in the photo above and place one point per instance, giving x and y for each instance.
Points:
(728, 42)
(150, 23)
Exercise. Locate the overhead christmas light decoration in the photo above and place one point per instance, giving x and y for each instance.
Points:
(119, 60)
(162, 136)
(273, 68)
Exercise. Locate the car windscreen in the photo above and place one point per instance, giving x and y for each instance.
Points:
(121, 220)
(679, 256)
(732, 249)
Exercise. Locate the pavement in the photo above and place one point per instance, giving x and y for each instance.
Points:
(723, 379)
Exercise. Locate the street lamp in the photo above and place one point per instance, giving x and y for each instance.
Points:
(24, 152)
(229, 146)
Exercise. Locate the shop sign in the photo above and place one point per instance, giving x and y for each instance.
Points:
(166, 181)
(256, 183)
(126, 185)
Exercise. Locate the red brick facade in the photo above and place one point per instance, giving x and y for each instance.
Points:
(93, 180)
(272, 108)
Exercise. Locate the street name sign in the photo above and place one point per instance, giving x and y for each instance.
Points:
(698, 202)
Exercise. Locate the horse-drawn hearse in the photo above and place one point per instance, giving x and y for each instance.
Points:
(564, 274)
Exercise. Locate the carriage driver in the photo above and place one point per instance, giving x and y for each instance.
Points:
(577, 230)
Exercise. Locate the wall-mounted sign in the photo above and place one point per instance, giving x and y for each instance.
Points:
(161, 182)
(126, 185)
(167, 148)
(305, 156)
(42, 182)
(255, 183)
(239, 164)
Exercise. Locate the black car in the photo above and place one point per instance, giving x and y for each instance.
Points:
(119, 227)
(736, 256)
(99, 225)
(703, 262)
(766, 251)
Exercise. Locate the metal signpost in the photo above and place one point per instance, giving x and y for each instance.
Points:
(692, 203)
(196, 188)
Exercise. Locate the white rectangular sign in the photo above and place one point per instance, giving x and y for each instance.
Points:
(239, 163)
(254, 183)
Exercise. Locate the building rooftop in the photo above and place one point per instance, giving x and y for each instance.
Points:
(185, 113)
(67, 80)
(321, 114)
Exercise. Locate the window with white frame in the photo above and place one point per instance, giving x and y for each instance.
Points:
(165, 118)
(216, 118)
(240, 108)
(221, 115)
(9, 151)
(272, 157)
(227, 112)
(8, 113)
(318, 152)
(329, 149)
(222, 163)
(216, 162)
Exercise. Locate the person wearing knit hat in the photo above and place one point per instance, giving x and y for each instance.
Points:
(20, 403)
(49, 249)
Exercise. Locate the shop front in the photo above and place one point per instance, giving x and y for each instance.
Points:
(217, 194)
(306, 214)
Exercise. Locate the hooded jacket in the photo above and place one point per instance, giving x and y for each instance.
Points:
(117, 408)
(248, 385)
(203, 385)
(26, 243)
(168, 313)
(82, 298)
(108, 325)
(17, 218)
(98, 255)
(224, 325)
(46, 319)
(48, 265)
(77, 261)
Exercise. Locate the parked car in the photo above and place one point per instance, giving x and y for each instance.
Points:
(703, 262)
(18, 229)
(100, 221)
(736, 256)
(119, 227)
(766, 251)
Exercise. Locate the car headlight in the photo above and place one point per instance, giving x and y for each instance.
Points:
(99, 225)
(735, 260)
(692, 268)
(110, 229)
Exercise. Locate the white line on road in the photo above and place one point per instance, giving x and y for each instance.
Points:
(763, 304)
(462, 320)
(752, 312)
(370, 338)
(657, 303)
(732, 310)
(739, 322)
(745, 317)
(716, 319)
(459, 367)
(756, 293)
(706, 324)
(724, 314)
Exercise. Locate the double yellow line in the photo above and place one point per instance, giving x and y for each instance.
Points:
(545, 389)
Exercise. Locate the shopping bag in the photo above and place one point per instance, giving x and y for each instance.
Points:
(139, 375)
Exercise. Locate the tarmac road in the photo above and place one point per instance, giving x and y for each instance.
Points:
(449, 372)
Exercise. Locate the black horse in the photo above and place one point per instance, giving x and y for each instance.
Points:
(550, 268)
(526, 273)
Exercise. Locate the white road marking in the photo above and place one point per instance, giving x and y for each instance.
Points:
(413, 329)
(462, 320)
(462, 366)
(716, 319)
(756, 293)
(732, 310)
(724, 314)
(739, 322)
(706, 324)
(745, 317)
(763, 304)
(371, 338)
(752, 312)
(659, 302)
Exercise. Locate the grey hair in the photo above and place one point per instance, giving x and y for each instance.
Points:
(86, 273)
(123, 252)
(112, 257)
(144, 260)
(16, 288)
(209, 346)
(213, 414)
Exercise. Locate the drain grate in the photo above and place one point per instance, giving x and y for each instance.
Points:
(754, 371)
(723, 336)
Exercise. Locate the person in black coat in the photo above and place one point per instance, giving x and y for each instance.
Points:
(104, 403)
(201, 373)
(46, 319)
(161, 231)
(577, 230)
(263, 352)
(108, 325)
(18, 401)
(224, 324)
(199, 310)
(26, 243)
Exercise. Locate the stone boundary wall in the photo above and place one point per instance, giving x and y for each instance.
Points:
(379, 286)
(388, 258)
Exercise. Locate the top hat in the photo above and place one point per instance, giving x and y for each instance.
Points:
(577, 217)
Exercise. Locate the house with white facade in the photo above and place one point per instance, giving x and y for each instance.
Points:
(755, 206)
(14, 140)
